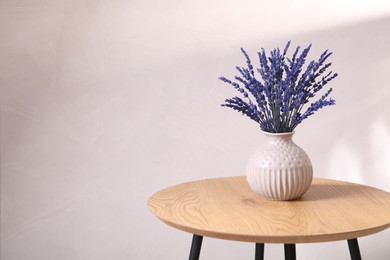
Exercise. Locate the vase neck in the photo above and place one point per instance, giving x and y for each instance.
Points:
(277, 137)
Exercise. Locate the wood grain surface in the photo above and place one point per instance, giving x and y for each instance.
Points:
(226, 208)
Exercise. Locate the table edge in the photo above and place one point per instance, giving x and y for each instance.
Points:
(278, 239)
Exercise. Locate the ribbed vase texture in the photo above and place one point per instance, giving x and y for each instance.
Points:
(279, 169)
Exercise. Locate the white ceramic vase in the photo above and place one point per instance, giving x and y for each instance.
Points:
(279, 169)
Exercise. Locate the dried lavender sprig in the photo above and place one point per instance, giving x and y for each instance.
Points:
(284, 90)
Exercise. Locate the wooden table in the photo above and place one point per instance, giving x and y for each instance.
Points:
(227, 208)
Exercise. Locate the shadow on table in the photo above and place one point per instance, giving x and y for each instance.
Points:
(331, 192)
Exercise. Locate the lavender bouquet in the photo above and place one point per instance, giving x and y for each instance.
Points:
(284, 90)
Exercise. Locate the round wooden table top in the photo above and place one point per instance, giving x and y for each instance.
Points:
(227, 208)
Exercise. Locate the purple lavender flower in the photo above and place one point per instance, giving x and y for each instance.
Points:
(283, 88)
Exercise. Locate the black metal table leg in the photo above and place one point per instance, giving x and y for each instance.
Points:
(354, 249)
(259, 253)
(195, 247)
(289, 252)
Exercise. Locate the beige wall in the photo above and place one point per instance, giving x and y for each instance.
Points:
(105, 102)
